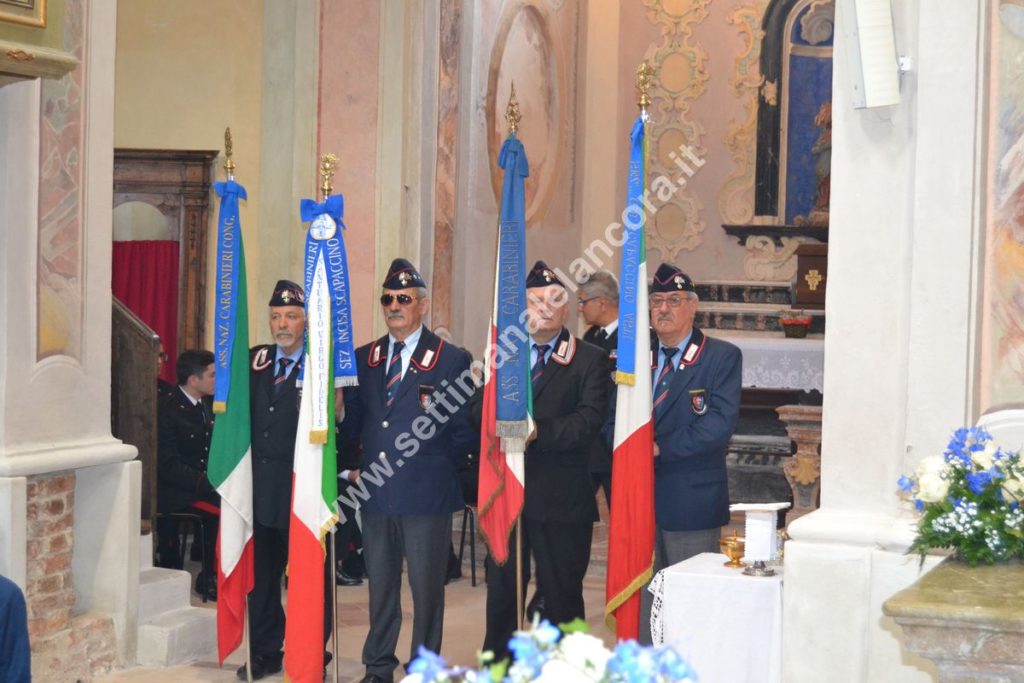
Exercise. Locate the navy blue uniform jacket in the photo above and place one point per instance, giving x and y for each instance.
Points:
(691, 487)
(411, 450)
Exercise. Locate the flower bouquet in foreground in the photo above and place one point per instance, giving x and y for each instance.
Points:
(559, 655)
(970, 500)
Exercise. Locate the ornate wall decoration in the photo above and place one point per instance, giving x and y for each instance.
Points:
(736, 200)
(59, 279)
(817, 25)
(681, 73)
(527, 52)
(764, 261)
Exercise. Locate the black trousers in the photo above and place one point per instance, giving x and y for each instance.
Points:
(603, 480)
(266, 614)
(423, 541)
(561, 553)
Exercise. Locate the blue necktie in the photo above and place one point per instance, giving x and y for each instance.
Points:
(538, 365)
(664, 377)
(394, 372)
(282, 375)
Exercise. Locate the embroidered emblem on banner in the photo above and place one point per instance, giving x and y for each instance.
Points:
(698, 401)
(323, 227)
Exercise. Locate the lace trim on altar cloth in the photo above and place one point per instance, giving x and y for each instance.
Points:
(657, 589)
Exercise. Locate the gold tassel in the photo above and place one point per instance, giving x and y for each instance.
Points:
(318, 436)
(625, 377)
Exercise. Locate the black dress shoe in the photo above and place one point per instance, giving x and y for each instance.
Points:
(207, 585)
(374, 678)
(341, 578)
(261, 668)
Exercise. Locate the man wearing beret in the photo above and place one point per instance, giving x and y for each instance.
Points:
(696, 385)
(274, 408)
(571, 391)
(409, 414)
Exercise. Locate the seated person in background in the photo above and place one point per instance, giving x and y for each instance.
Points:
(184, 426)
(15, 658)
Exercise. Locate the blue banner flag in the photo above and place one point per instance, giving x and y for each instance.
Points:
(325, 244)
(230, 257)
(513, 374)
(633, 252)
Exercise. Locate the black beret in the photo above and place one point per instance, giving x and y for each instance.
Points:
(287, 293)
(402, 275)
(671, 279)
(542, 276)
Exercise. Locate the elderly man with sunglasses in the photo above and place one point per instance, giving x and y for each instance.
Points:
(409, 412)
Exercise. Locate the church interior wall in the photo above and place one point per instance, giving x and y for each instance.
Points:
(348, 123)
(185, 71)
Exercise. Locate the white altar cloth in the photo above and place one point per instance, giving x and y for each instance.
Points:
(728, 626)
(771, 362)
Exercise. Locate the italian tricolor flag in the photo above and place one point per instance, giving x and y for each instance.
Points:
(314, 492)
(230, 466)
(631, 529)
(500, 489)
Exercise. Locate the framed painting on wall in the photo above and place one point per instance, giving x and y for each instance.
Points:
(25, 12)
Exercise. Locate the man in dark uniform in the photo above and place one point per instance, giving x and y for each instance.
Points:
(409, 414)
(274, 407)
(571, 390)
(696, 384)
(184, 426)
(598, 303)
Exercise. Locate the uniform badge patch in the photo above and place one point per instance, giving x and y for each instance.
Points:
(426, 396)
(262, 360)
(698, 401)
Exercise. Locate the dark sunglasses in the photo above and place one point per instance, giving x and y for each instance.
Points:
(403, 299)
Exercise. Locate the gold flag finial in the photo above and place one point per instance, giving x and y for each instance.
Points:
(644, 79)
(229, 165)
(327, 164)
(512, 115)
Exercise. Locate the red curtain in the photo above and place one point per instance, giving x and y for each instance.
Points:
(145, 279)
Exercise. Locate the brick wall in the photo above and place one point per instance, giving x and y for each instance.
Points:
(65, 647)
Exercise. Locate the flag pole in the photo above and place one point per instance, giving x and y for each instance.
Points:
(327, 164)
(229, 169)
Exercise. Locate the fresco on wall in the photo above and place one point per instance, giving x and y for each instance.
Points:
(525, 54)
(808, 117)
(1003, 360)
(59, 278)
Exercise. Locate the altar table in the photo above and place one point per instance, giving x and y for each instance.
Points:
(775, 362)
(728, 626)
